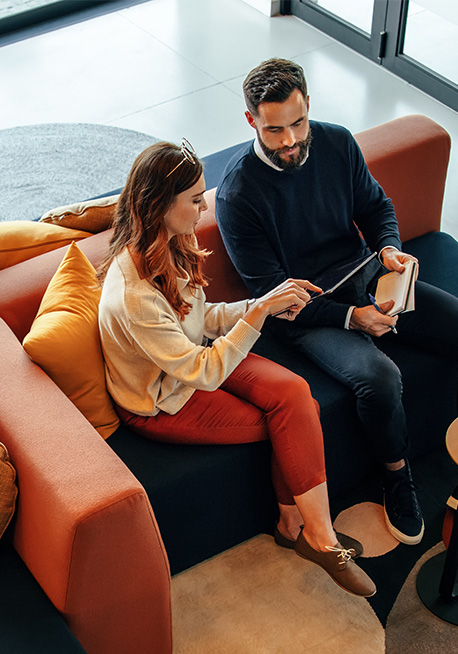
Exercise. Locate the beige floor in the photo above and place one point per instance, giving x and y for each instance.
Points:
(260, 599)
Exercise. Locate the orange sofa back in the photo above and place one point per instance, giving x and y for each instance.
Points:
(395, 153)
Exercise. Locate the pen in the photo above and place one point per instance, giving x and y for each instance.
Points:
(372, 299)
(313, 297)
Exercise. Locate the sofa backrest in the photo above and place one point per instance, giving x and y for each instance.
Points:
(224, 281)
(22, 286)
(408, 157)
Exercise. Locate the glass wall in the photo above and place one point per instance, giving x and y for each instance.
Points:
(20, 19)
(357, 13)
(431, 36)
(415, 39)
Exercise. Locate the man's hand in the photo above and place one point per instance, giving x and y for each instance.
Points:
(394, 260)
(373, 322)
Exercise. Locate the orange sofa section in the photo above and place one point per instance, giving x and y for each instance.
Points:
(84, 525)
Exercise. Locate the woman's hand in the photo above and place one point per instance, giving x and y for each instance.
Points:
(289, 297)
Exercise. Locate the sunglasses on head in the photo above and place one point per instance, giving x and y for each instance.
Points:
(189, 154)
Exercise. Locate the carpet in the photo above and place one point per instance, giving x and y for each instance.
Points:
(258, 598)
(49, 165)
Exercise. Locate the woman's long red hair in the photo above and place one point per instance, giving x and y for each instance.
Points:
(139, 223)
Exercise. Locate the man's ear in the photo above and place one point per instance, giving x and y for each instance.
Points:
(250, 119)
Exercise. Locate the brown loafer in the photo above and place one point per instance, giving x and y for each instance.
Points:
(354, 546)
(337, 562)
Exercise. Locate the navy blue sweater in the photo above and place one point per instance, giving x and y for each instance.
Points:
(278, 224)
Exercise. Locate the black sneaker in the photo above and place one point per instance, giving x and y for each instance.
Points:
(402, 511)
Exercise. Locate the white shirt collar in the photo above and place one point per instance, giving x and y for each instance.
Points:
(262, 155)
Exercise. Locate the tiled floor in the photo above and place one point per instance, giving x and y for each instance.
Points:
(175, 67)
(12, 7)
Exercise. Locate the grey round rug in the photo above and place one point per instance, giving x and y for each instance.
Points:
(49, 165)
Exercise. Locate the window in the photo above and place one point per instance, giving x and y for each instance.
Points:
(415, 39)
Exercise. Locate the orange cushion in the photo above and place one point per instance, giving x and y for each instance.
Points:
(23, 239)
(64, 340)
(8, 489)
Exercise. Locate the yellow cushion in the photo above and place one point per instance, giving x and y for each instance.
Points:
(92, 216)
(64, 340)
(24, 239)
(8, 489)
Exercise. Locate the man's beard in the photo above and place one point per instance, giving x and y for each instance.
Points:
(292, 163)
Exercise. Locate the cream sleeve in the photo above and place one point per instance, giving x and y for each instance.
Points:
(160, 338)
(220, 317)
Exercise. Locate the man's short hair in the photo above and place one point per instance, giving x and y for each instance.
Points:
(273, 81)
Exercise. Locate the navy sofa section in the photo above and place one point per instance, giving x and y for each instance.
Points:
(209, 498)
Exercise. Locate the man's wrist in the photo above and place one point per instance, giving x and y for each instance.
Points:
(387, 247)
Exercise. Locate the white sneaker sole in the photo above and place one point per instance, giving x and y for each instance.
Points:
(403, 538)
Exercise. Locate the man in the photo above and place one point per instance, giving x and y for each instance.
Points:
(291, 205)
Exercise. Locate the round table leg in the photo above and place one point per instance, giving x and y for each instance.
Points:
(428, 581)
(436, 581)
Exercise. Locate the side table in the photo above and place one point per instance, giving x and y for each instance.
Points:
(437, 584)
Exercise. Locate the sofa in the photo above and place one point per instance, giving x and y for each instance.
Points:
(102, 524)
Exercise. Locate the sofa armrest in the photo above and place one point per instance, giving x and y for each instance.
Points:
(84, 524)
(409, 158)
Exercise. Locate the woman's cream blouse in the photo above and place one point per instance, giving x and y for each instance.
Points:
(153, 360)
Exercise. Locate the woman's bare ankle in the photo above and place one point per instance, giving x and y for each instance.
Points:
(290, 521)
(288, 530)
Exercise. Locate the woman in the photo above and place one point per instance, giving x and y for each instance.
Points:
(171, 384)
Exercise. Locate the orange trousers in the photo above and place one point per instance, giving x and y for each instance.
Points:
(260, 400)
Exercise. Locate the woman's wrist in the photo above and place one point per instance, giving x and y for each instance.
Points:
(255, 314)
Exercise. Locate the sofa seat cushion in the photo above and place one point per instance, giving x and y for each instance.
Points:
(437, 253)
(206, 498)
(430, 406)
(22, 239)
(64, 340)
(214, 514)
